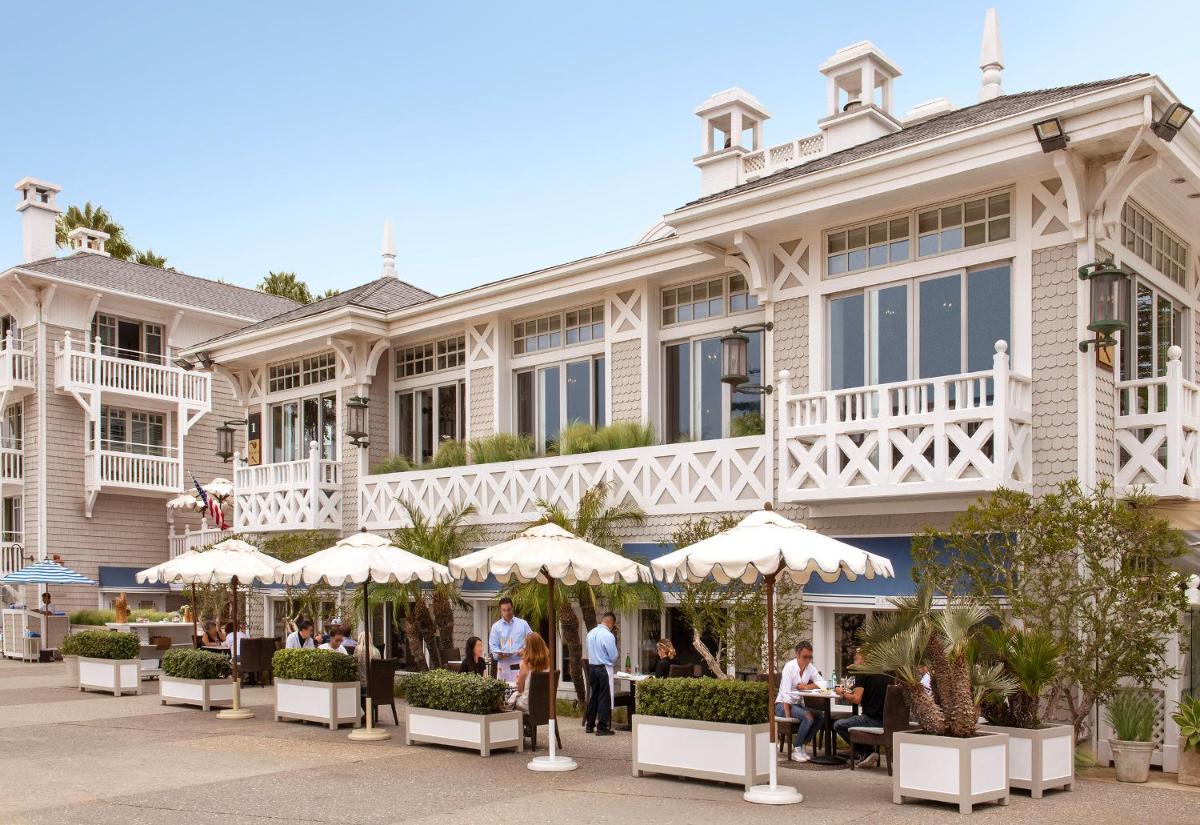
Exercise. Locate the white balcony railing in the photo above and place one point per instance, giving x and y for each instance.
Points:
(775, 158)
(16, 364)
(190, 539)
(1158, 433)
(669, 479)
(12, 465)
(12, 555)
(290, 495)
(82, 367)
(964, 433)
(158, 473)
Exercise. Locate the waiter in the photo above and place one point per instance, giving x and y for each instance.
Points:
(602, 654)
(507, 642)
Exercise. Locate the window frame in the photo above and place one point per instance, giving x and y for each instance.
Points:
(306, 376)
(728, 293)
(329, 452)
(438, 353)
(107, 444)
(1157, 227)
(595, 399)
(694, 374)
(556, 324)
(1127, 349)
(114, 349)
(460, 420)
(12, 426)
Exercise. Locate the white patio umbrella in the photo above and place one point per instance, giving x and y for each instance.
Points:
(166, 571)
(549, 554)
(765, 544)
(361, 558)
(185, 501)
(233, 562)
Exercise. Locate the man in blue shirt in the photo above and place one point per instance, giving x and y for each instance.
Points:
(602, 655)
(507, 642)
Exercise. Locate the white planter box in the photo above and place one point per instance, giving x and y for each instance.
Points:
(1039, 759)
(331, 703)
(483, 733)
(702, 750)
(206, 693)
(115, 676)
(942, 768)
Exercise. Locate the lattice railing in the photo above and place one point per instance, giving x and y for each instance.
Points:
(774, 158)
(86, 366)
(952, 434)
(1158, 433)
(289, 495)
(730, 474)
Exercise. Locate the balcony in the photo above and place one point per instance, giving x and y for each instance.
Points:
(12, 464)
(1157, 434)
(290, 495)
(189, 539)
(731, 474)
(86, 372)
(16, 369)
(12, 554)
(957, 434)
(152, 472)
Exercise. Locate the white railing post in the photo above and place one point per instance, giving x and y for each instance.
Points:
(883, 437)
(1000, 400)
(941, 447)
(237, 466)
(314, 482)
(782, 425)
(1174, 416)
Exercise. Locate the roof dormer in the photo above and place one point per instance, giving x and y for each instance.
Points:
(859, 92)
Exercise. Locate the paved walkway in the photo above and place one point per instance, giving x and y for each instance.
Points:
(69, 757)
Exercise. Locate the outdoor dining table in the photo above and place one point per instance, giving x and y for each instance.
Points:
(824, 702)
(632, 679)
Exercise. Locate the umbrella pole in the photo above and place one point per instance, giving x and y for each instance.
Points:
(553, 762)
(195, 629)
(369, 733)
(237, 711)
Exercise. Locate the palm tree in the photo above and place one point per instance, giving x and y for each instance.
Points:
(402, 598)
(286, 285)
(94, 217)
(148, 257)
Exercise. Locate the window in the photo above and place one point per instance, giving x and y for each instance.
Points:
(967, 223)
(12, 429)
(585, 325)
(296, 424)
(132, 431)
(1145, 237)
(132, 340)
(1158, 324)
(942, 325)
(13, 526)
(866, 246)
(710, 298)
(545, 333)
(427, 417)
(549, 398)
(697, 406)
(302, 372)
(8, 324)
(451, 352)
(434, 356)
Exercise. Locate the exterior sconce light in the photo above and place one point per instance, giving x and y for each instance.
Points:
(356, 420)
(205, 360)
(1050, 134)
(735, 359)
(1110, 300)
(225, 438)
(1173, 119)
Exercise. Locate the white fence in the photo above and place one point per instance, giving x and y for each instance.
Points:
(1158, 433)
(957, 433)
(12, 557)
(80, 365)
(16, 363)
(190, 539)
(289, 495)
(775, 158)
(134, 471)
(12, 464)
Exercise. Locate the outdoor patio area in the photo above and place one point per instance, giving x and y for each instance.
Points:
(72, 757)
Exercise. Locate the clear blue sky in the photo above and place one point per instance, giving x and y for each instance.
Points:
(236, 138)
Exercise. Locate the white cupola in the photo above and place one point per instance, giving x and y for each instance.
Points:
(39, 216)
(732, 126)
(86, 239)
(859, 94)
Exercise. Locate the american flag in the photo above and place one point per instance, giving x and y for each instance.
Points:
(211, 506)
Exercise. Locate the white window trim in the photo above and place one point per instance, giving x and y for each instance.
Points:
(561, 363)
(1155, 280)
(824, 251)
(302, 391)
(168, 444)
(726, 390)
(556, 351)
(1145, 265)
(311, 391)
(402, 387)
(397, 349)
(683, 329)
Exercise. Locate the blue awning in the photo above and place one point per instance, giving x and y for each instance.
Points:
(122, 579)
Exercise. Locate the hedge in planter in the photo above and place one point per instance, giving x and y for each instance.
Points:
(704, 700)
(195, 677)
(183, 663)
(317, 686)
(311, 665)
(459, 709)
(105, 644)
(455, 692)
(108, 661)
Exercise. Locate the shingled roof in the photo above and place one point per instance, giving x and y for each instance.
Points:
(167, 285)
(955, 121)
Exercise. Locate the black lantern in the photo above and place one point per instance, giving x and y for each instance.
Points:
(225, 438)
(1110, 301)
(735, 366)
(356, 420)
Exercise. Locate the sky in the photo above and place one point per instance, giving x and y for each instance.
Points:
(239, 138)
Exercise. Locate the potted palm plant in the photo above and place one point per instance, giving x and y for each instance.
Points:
(948, 760)
(1188, 719)
(1130, 713)
(1040, 756)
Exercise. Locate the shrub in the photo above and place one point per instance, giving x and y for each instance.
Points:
(392, 463)
(92, 617)
(1188, 719)
(457, 692)
(501, 447)
(577, 437)
(450, 454)
(1131, 714)
(704, 700)
(185, 663)
(750, 423)
(70, 645)
(625, 435)
(106, 644)
(314, 665)
(143, 614)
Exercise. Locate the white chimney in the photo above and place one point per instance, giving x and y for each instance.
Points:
(727, 116)
(389, 251)
(859, 105)
(39, 215)
(87, 240)
(991, 58)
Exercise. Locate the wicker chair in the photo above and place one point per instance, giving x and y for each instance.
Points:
(539, 706)
(255, 659)
(895, 718)
(381, 687)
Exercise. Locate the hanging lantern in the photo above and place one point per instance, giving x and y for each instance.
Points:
(356, 420)
(1109, 301)
(734, 348)
(225, 441)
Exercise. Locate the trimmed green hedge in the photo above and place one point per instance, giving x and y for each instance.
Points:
(103, 644)
(457, 692)
(314, 665)
(185, 663)
(96, 618)
(704, 700)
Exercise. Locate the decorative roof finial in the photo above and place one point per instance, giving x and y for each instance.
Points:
(389, 251)
(991, 58)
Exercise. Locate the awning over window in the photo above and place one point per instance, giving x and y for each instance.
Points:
(121, 579)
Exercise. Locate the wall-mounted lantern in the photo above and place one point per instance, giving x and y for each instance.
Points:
(225, 438)
(356, 420)
(1109, 303)
(1050, 134)
(735, 359)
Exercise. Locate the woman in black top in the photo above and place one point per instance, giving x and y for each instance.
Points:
(473, 661)
(666, 658)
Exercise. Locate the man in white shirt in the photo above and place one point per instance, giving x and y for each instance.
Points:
(336, 637)
(233, 638)
(301, 637)
(798, 675)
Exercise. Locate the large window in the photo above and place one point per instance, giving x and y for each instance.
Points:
(295, 424)
(967, 223)
(709, 298)
(941, 325)
(302, 372)
(866, 246)
(1145, 237)
(427, 417)
(696, 404)
(1158, 323)
(434, 356)
(132, 431)
(12, 429)
(13, 528)
(550, 397)
(134, 340)
(545, 333)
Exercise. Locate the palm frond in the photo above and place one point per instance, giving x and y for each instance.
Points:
(900, 654)
(955, 624)
(991, 683)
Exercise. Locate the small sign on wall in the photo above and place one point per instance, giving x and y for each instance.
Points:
(254, 439)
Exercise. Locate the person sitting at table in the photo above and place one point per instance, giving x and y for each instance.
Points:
(800, 674)
(47, 606)
(336, 637)
(666, 658)
(212, 636)
(233, 638)
(361, 649)
(472, 660)
(302, 636)
(348, 639)
(535, 658)
(869, 692)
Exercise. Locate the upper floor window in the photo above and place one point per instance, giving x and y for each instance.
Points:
(709, 298)
(11, 530)
(1145, 237)
(302, 372)
(697, 404)
(132, 431)
(428, 417)
(971, 222)
(551, 397)
(8, 324)
(1158, 323)
(296, 424)
(12, 428)
(867, 246)
(132, 340)
(433, 356)
(546, 332)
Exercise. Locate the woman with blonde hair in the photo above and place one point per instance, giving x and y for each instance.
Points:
(666, 658)
(534, 659)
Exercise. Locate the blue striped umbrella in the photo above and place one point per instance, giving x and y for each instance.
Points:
(46, 572)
